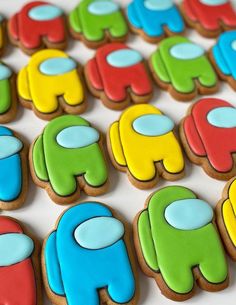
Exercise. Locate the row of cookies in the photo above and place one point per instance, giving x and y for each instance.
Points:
(89, 256)
(40, 24)
(52, 82)
(69, 156)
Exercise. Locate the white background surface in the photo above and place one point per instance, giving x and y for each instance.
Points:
(40, 213)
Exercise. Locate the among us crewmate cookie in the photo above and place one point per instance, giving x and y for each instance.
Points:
(155, 19)
(13, 170)
(19, 264)
(175, 55)
(223, 57)
(68, 157)
(177, 243)
(209, 17)
(96, 22)
(8, 94)
(36, 26)
(88, 258)
(50, 84)
(118, 75)
(208, 134)
(226, 219)
(142, 144)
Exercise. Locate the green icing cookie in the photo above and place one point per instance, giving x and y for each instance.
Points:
(68, 149)
(92, 20)
(170, 248)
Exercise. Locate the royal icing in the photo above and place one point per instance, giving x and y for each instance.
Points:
(17, 274)
(78, 273)
(141, 138)
(226, 219)
(153, 16)
(108, 72)
(94, 18)
(153, 125)
(200, 247)
(224, 54)
(99, 232)
(178, 54)
(6, 98)
(210, 15)
(181, 214)
(50, 75)
(68, 148)
(124, 58)
(11, 178)
(208, 138)
(36, 23)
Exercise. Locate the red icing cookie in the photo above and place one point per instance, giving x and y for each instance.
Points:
(208, 134)
(209, 17)
(118, 75)
(36, 26)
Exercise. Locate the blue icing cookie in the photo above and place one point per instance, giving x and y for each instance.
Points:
(153, 125)
(15, 248)
(57, 66)
(77, 136)
(99, 232)
(186, 51)
(188, 214)
(103, 7)
(222, 117)
(124, 58)
(152, 16)
(45, 12)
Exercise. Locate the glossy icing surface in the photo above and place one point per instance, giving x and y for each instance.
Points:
(5, 88)
(154, 16)
(169, 69)
(158, 241)
(9, 146)
(15, 248)
(153, 125)
(56, 77)
(5, 72)
(37, 23)
(214, 2)
(138, 152)
(206, 140)
(59, 160)
(99, 232)
(94, 19)
(115, 81)
(45, 12)
(124, 58)
(223, 117)
(188, 214)
(77, 136)
(65, 259)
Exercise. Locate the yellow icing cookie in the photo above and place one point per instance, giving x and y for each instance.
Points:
(142, 143)
(51, 84)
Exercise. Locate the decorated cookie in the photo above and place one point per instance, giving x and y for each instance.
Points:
(155, 19)
(178, 54)
(8, 96)
(38, 25)
(87, 258)
(177, 243)
(19, 265)
(209, 17)
(223, 57)
(2, 34)
(13, 170)
(208, 134)
(68, 157)
(50, 84)
(226, 219)
(142, 144)
(118, 75)
(96, 22)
